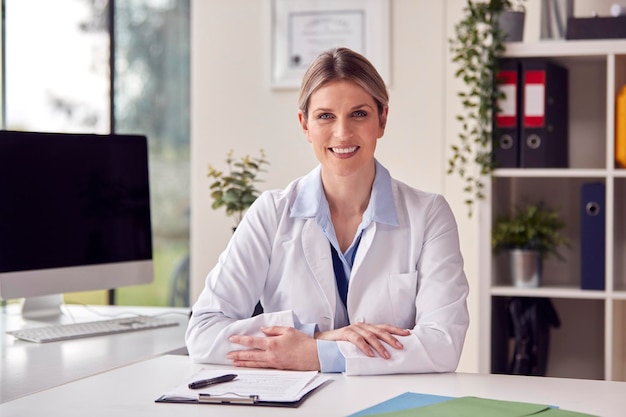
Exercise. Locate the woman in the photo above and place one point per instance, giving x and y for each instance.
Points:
(347, 226)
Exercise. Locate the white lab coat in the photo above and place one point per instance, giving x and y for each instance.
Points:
(409, 275)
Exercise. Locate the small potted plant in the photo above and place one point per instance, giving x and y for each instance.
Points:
(529, 235)
(236, 190)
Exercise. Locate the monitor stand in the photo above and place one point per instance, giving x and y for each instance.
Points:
(45, 306)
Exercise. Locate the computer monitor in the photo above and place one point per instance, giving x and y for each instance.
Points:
(74, 216)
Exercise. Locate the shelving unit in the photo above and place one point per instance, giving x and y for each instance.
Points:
(591, 341)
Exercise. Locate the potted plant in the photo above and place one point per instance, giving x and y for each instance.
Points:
(236, 190)
(529, 235)
(476, 49)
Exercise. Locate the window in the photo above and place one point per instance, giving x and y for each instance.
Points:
(58, 71)
(56, 64)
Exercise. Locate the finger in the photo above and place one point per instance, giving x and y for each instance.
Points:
(373, 340)
(357, 339)
(245, 355)
(374, 334)
(389, 339)
(394, 329)
(275, 330)
(252, 364)
(252, 359)
(385, 333)
(358, 335)
(249, 341)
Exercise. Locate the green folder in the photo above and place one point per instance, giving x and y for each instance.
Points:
(482, 407)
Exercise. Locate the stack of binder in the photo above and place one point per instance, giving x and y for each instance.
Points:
(531, 122)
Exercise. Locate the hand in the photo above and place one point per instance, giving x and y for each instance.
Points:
(367, 337)
(283, 348)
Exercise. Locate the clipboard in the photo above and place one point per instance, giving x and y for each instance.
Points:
(234, 399)
(251, 387)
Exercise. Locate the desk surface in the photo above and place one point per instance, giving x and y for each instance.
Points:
(131, 391)
(31, 367)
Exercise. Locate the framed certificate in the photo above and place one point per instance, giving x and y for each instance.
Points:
(302, 29)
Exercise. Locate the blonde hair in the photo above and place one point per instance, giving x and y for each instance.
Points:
(342, 64)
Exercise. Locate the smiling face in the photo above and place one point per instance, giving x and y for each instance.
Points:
(343, 126)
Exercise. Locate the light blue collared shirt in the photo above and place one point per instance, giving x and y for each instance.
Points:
(311, 203)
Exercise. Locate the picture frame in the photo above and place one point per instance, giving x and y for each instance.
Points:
(301, 29)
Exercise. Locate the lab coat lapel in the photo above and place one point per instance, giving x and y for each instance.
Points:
(356, 284)
(317, 254)
(364, 246)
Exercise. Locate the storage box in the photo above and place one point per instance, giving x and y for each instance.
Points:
(596, 27)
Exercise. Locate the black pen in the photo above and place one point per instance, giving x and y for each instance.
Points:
(211, 381)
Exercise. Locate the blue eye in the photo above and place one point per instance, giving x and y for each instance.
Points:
(325, 116)
(360, 113)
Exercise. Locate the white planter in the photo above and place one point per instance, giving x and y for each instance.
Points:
(525, 268)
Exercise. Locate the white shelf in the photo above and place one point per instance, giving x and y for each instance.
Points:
(564, 48)
(597, 69)
(549, 292)
(550, 173)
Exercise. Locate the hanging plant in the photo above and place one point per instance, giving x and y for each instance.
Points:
(476, 49)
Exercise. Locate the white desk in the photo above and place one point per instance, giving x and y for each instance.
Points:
(131, 391)
(27, 367)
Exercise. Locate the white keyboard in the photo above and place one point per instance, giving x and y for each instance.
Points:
(58, 332)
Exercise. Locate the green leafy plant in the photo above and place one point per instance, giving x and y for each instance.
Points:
(236, 190)
(476, 49)
(534, 227)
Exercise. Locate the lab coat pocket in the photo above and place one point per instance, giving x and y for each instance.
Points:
(402, 293)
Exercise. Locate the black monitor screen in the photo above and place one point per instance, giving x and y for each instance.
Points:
(72, 200)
